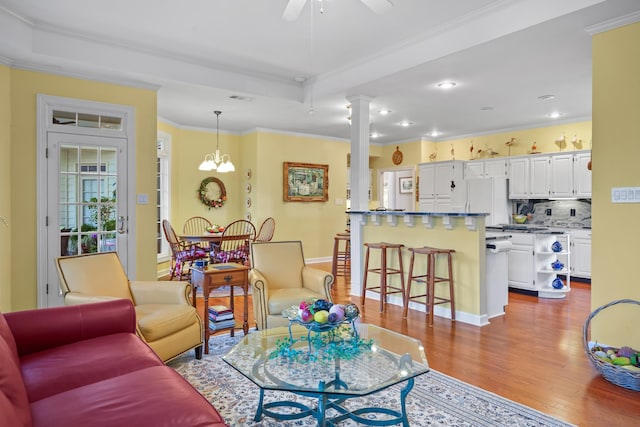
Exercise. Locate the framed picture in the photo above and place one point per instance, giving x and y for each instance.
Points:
(405, 184)
(305, 182)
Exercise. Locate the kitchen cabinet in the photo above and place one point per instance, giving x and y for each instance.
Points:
(530, 262)
(488, 168)
(441, 186)
(520, 271)
(561, 175)
(519, 178)
(582, 175)
(581, 253)
(529, 177)
(539, 177)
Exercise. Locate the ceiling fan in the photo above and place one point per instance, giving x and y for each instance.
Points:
(294, 7)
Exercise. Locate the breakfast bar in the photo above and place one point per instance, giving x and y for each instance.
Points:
(462, 232)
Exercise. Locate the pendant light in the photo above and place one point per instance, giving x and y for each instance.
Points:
(214, 161)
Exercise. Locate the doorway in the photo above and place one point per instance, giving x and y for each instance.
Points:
(83, 185)
(397, 189)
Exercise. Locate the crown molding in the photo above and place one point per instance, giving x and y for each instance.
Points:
(612, 24)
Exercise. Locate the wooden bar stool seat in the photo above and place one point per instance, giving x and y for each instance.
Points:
(384, 271)
(430, 279)
(341, 265)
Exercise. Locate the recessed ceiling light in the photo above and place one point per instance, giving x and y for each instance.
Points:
(375, 135)
(405, 123)
(446, 85)
(434, 133)
(555, 115)
(384, 112)
(487, 108)
(546, 97)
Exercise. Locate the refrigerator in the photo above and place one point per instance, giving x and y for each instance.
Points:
(488, 195)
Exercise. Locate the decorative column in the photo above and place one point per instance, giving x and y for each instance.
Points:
(359, 181)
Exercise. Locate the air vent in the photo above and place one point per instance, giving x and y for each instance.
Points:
(241, 98)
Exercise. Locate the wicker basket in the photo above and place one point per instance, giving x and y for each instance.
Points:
(612, 373)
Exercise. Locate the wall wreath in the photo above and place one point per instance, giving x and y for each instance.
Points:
(212, 193)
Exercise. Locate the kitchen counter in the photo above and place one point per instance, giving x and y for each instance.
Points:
(462, 232)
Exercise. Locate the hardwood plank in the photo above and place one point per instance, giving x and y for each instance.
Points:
(532, 355)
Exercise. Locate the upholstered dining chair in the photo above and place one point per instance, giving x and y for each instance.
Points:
(279, 279)
(183, 254)
(197, 225)
(265, 234)
(234, 243)
(165, 318)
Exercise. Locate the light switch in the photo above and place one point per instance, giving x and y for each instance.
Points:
(143, 199)
(625, 195)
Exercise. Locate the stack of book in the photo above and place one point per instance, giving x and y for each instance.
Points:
(220, 317)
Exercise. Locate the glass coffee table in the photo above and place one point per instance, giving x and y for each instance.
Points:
(353, 360)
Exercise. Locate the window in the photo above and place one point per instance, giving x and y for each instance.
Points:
(163, 202)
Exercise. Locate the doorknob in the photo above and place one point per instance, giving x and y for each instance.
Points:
(121, 225)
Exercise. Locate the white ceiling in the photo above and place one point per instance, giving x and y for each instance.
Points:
(503, 54)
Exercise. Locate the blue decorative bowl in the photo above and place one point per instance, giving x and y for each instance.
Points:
(556, 247)
(557, 265)
(557, 283)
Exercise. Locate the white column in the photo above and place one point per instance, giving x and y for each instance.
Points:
(359, 180)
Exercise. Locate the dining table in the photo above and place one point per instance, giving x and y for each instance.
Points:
(205, 237)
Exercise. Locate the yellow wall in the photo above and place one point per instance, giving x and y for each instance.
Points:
(616, 127)
(544, 137)
(314, 223)
(5, 188)
(24, 86)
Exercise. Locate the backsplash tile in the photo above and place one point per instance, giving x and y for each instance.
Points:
(557, 213)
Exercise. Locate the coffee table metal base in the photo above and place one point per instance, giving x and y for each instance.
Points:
(334, 401)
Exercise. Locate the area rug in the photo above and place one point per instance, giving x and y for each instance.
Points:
(436, 399)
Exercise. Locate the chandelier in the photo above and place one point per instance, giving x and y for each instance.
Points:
(215, 161)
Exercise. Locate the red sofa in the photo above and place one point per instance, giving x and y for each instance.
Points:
(83, 365)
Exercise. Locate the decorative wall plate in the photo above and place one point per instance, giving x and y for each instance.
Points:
(248, 188)
(248, 173)
(248, 202)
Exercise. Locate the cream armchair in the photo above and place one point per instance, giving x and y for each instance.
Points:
(280, 279)
(166, 320)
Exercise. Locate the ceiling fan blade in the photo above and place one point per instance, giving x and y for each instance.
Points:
(378, 6)
(293, 10)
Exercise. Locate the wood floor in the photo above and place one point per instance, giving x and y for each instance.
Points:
(532, 355)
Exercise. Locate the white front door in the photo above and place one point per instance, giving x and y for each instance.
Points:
(87, 200)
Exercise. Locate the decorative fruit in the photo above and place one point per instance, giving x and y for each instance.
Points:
(351, 311)
(333, 318)
(322, 304)
(338, 310)
(306, 316)
(321, 316)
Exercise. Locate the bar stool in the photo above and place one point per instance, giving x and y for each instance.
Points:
(430, 279)
(341, 257)
(384, 271)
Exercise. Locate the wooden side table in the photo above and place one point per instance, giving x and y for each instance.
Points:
(216, 276)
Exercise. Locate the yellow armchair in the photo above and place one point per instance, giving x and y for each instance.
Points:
(166, 320)
(280, 279)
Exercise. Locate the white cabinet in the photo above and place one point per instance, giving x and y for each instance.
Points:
(519, 178)
(521, 261)
(474, 169)
(582, 175)
(561, 175)
(539, 177)
(530, 262)
(581, 253)
(489, 168)
(545, 257)
(440, 186)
